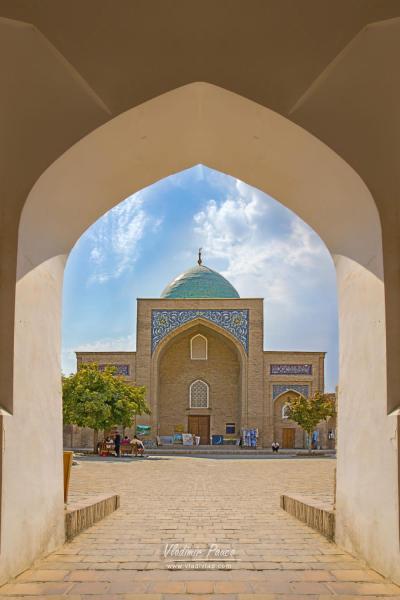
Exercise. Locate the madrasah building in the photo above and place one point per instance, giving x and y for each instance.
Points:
(200, 354)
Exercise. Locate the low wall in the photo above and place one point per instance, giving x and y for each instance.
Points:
(314, 512)
(84, 514)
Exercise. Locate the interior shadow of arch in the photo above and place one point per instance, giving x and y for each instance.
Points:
(201, 123)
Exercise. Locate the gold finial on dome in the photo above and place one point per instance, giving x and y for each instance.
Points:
(200, 262)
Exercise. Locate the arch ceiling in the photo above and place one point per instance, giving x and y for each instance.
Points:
(118, 49)
(200, 123)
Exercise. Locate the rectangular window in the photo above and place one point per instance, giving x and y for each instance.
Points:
(230, 428)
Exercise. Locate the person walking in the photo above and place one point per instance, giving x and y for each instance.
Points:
(117, 444)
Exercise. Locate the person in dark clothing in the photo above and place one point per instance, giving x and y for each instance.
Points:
(117, 444)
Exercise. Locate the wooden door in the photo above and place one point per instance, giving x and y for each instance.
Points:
(288, 434)
(200, 425)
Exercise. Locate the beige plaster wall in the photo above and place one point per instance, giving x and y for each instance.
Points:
(367, 501)
(32, 519)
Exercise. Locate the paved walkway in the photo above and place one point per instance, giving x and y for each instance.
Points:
(215, 506)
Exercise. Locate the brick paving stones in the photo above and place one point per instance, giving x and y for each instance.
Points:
(225, 509)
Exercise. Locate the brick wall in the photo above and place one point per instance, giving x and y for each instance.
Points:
(221, 371)
(241, 384)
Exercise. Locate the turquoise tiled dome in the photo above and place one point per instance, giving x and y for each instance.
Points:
(200, 282)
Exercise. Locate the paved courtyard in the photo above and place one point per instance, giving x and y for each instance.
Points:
(216, 506)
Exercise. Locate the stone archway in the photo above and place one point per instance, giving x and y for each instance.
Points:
(173, 373)
(224, 372)
(282, 426)
(203, 123)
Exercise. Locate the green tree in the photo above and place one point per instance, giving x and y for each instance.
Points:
(101, 399)
(129, 401)
(308, 412)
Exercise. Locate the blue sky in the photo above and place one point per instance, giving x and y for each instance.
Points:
(264, 250)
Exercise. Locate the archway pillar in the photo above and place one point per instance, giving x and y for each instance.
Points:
(32, 516)
(367, 499)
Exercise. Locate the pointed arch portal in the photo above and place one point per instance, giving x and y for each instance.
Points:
(201, 123)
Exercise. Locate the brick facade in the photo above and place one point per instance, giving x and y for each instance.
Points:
(221, 372)
(247, 386)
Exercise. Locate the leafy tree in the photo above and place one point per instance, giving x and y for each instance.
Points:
(101, 399)
(129, 401)
(308, 412)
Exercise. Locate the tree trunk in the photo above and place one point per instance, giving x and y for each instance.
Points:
(309, 441)
(95, 439)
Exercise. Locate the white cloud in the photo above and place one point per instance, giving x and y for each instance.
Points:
(115, 238)
(96, 255)
(267, 251)
(124, 343)
(262, 253)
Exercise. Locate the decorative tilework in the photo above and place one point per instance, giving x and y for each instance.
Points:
(280, 388)
(121, 369)
(291, 369)
(235, 321)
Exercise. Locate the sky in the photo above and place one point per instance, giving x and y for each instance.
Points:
(261, 247)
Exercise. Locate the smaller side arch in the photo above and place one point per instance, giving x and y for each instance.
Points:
(279, 390)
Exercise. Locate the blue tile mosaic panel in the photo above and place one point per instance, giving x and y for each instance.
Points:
(291, 369)
(280, 388)
(121, 369)
(235, 321)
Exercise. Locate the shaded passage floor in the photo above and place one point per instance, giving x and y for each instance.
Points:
(232, 503)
